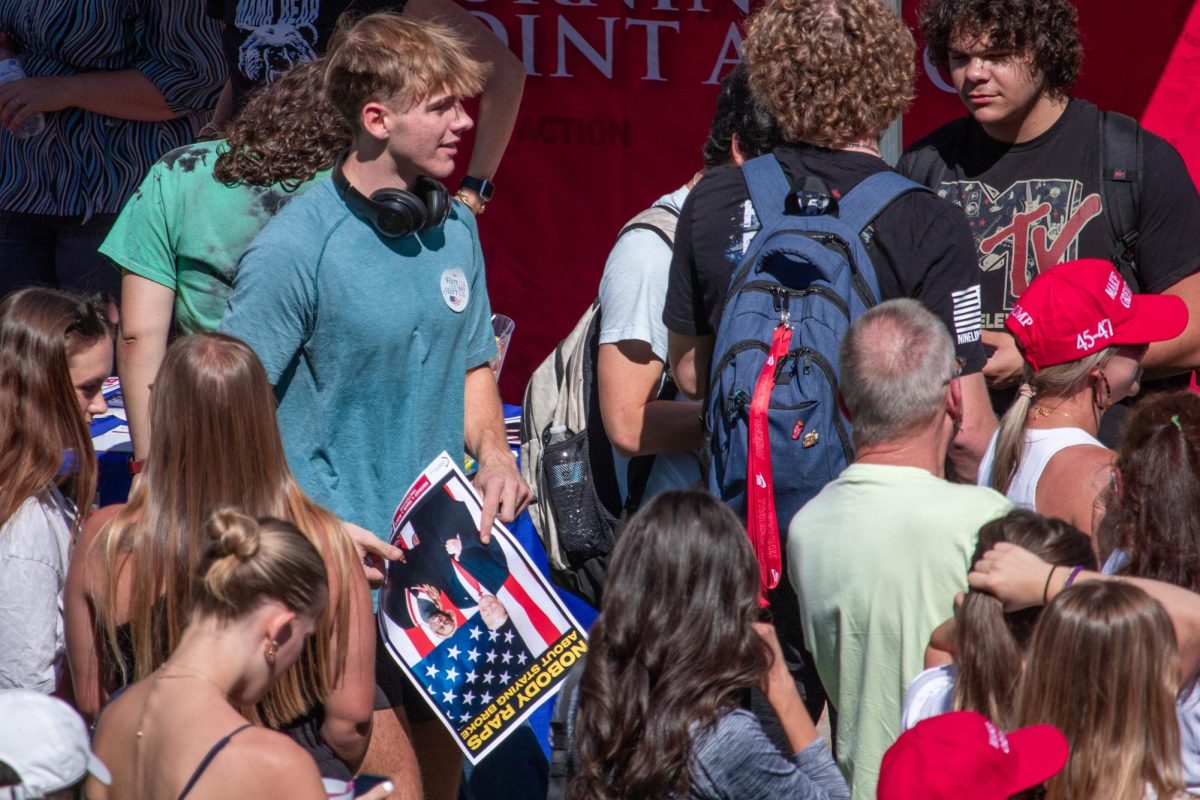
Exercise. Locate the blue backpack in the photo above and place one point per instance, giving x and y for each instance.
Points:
(808, 269)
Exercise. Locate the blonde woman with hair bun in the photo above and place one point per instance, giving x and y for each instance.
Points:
(130, 589)
(177, 733)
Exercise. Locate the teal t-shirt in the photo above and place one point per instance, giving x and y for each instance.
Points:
(184, 229)
(367, 341)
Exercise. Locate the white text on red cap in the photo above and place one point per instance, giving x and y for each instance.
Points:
(1087, 340)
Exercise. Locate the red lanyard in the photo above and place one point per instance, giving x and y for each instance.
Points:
(761, 523)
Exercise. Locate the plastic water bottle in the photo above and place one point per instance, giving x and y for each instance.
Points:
(10, 70)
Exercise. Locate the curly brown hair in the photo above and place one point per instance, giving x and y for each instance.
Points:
(831, 71)
(1047, 29)
(286, 134)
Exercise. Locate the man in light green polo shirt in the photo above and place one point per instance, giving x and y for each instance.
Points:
(878, 555)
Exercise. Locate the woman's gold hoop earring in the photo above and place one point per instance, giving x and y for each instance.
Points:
(1106, 403)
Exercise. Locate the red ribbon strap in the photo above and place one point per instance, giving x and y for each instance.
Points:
(761, 522)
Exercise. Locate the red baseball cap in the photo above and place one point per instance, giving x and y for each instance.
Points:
(1080, 307)
(963, 756)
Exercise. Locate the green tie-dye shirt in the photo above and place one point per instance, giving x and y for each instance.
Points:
(187, 231)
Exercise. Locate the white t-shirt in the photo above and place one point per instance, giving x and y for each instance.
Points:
(34, 544)
(931, 693)
(633, 291)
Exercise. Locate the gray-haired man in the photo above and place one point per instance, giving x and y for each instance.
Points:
(878, 555)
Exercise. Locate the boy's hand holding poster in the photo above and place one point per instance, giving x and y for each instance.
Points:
(475, 625)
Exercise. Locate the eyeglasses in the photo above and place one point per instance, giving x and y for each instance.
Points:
(959, 363)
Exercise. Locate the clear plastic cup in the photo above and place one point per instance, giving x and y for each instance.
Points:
(503, 328)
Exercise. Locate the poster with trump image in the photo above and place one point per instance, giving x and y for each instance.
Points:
(475, 625)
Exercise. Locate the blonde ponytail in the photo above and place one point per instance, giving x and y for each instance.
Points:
(1056, 381)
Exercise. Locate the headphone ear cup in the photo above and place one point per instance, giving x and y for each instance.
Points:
(397, 212)
(437, 201)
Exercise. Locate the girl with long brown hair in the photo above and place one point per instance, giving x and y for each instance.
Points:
(989, 644)
(1150, 529)
(676, 647)
(1104, 669)
(55, 352)
(1083, 334)
(259, 592)
(179, 238)
(129, 596)
(1104, 666)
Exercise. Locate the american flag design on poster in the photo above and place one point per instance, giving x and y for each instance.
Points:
(475, 626)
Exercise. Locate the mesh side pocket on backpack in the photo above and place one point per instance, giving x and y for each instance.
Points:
(585, 528)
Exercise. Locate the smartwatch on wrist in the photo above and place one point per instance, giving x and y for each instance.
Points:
(481, 186)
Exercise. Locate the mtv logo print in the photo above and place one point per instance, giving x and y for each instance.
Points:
(1023, 230)
(282, 34)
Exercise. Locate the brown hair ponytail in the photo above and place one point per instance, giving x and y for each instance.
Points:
(991, 643)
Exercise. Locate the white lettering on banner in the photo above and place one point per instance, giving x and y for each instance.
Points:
(1126, 295)
(1022, 316)
(1087, 340)
(603, 63)
(601, 45)
(733, 38)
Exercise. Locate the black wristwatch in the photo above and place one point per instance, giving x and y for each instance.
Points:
(481, 186)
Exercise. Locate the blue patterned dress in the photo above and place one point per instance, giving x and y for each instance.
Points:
(85, 163)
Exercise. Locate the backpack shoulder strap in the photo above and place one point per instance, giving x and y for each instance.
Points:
(769, 187)
(560, 736)
(866, 201)
(927, 164)
(1121, 168)
(658, 219)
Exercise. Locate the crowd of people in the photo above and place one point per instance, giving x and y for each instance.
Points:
(941, 491)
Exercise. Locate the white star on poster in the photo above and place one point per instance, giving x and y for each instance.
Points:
(471, 676)
(485, 698)
(452, 652)
(522, 658)
(452, 675)
(507, 657)
(491, 656)
(508, 637)
(473, 654)
(431, 671)
(476, 632)
(493, 635)
(504, 677)
(488, 677)
(448, 695)
(469, 698)
(464, 718)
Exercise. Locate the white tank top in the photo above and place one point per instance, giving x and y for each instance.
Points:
(1041, 445)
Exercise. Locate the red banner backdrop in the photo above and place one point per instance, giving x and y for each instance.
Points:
(617, 103)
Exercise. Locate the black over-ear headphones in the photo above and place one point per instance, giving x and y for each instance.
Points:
(395, 212)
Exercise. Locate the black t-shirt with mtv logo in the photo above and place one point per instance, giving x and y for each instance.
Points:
(263, 39)
(1036, 204)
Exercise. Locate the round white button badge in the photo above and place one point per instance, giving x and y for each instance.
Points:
(455, 290)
